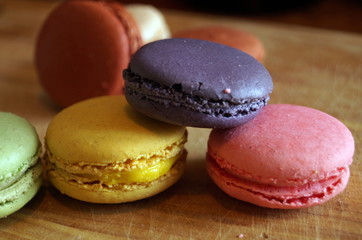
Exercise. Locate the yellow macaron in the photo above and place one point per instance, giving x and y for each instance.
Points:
(101, 150)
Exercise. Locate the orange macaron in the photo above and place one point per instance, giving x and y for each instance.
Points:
(229, 36)
(82, 48)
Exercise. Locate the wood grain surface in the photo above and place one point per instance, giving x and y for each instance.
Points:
(315, 68)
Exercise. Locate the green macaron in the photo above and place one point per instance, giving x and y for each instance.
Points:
(20, 165)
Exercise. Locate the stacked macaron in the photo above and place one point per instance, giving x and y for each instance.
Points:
(276, 156)
(83, 47)
(97, 149)
(196, 83)
(102, 150)
(20, 165)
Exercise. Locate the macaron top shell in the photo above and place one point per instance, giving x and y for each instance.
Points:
(285, 144)
(107, 130)
(232, 37)
(19, 147)
(202, 68)
(82, 49)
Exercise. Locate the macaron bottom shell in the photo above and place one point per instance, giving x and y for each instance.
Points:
(278, 196)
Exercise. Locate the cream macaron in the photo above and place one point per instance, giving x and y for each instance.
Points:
(150, 21)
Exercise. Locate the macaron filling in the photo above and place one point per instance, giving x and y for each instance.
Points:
(303, 192)
(22, 185)
(10, 178)
(118, 174)
(146, 89)
(138, 175)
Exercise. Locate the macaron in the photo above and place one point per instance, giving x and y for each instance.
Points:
(287, 157)
(83, 46)
(20, 165)
(233, 37)
(100, 150)
(150, 21)
(196, 83)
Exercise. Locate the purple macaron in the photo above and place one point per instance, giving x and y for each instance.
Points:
(196, 83)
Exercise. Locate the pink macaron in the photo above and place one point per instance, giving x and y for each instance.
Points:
(287, 157)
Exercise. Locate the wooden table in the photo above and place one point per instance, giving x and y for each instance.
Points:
(315, 68)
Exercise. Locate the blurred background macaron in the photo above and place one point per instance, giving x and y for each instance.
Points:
(100, 150)
(83, 46)
(150, 20)
(233, 37)
(20, 165)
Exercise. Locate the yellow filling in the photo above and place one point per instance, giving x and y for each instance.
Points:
(138, 175)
